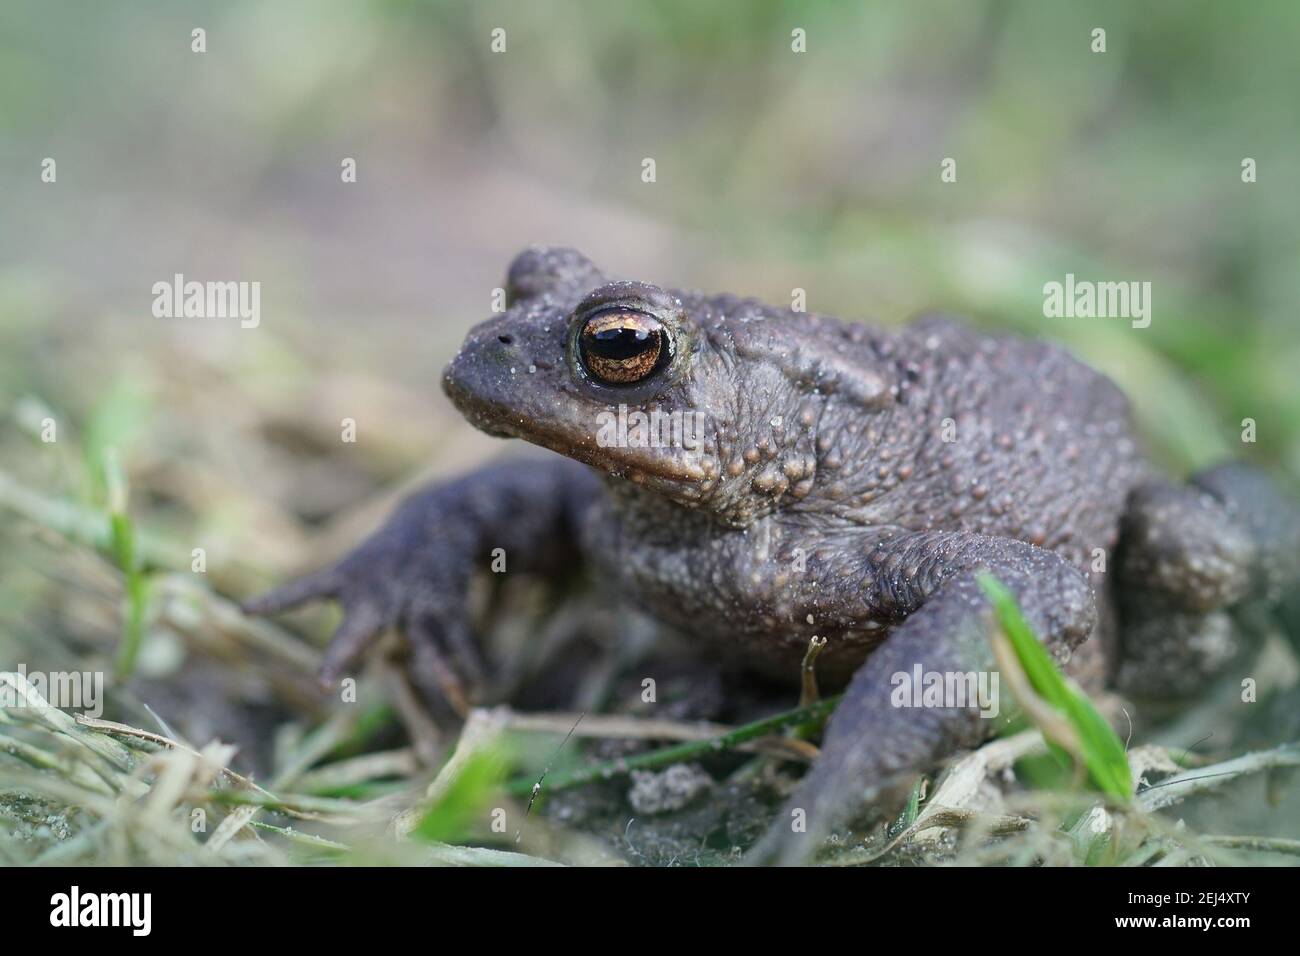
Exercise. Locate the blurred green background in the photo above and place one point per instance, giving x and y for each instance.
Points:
(775, 170)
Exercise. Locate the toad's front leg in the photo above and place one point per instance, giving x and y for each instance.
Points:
(413, 574)
(877, 743)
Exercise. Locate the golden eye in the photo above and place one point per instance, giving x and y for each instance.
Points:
(623, 347)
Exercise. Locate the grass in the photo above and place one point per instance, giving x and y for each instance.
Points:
(122, 540)
(1065, 715)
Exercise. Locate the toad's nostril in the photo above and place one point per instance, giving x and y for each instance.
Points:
(505, 340)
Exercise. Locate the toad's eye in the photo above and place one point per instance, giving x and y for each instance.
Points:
(623, 347)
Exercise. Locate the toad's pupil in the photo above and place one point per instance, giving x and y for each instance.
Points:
(622, 343)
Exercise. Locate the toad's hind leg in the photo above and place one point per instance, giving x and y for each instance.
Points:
(1271, 519)
(1192, 558)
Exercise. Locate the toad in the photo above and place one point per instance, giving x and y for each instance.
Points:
(837, 481)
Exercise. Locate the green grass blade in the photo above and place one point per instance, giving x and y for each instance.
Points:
(451, 818)
(1103, 752)
(122, 542)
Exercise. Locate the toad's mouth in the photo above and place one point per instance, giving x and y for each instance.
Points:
(582, 434)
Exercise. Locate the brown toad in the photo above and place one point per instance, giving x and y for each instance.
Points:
(756, 476)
